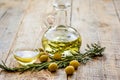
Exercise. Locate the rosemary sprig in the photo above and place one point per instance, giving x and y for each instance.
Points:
(92, 51)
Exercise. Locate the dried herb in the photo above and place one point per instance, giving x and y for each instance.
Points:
(92, 51)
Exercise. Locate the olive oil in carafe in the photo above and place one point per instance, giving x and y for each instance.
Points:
(64, 42)
(61, 37)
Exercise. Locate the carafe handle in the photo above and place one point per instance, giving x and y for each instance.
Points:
(49, 21)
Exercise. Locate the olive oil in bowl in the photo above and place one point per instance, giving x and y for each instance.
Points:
(25, 57)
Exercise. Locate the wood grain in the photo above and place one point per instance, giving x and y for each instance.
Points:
(11, 16)
(29, 36)
(97, 21)
(22, 26)
(117, 7)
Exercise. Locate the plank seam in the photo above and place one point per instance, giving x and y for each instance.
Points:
(21, 21)
(116, 10)
(3, 14)
(19, 24)
(71, 13)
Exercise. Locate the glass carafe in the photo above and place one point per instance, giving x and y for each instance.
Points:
(61, 38)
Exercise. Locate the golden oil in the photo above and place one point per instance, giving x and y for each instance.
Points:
(26, 57)
(63, 41)
(61, 37)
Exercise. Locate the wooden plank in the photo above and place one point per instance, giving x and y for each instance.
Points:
(60, 75)
(9, 22)
(97, 21)
(2, 9)
(29, 36)
(6, 10)
(11, 15)
(81, 20)
(117, 7)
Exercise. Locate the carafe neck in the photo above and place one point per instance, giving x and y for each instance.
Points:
(61, 18)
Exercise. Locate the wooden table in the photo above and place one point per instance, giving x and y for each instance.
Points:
(21, 26)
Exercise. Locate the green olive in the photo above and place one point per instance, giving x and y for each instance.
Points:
(41, 50)
(52, 67)
(43, 58)
(74, 63)
(42, 53)
(69, 70)
(57, 56)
